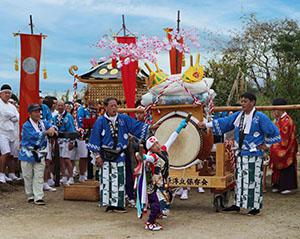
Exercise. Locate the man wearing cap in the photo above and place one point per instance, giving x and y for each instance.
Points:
(254, 132)
(9, 117)
(283, 155)
(108, 141)
(33, 152)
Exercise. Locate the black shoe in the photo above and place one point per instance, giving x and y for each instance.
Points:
(40, 202)
(253, 212)
(120, 209)
(232, 208)
(109, 208)
(30, 200)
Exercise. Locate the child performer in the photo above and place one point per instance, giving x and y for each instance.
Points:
(155, 177)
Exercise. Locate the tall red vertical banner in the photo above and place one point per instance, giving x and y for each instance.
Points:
(129, 72)
(30, 68)
(175, 55)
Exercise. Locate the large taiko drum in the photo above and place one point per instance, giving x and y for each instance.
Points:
(192, 144)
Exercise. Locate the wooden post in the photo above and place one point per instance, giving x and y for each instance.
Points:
(220, 156)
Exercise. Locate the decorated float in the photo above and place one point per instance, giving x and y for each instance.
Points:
(167, 98)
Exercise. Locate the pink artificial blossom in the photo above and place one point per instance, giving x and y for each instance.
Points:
(148, 48)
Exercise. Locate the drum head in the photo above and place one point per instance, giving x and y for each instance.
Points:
(186, 147)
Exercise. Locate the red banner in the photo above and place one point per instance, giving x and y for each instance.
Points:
(175, 55)
(129, 72)
(30, 68)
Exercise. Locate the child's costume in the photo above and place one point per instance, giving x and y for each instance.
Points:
(152, 183)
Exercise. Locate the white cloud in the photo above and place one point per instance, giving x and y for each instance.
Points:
(72, 25)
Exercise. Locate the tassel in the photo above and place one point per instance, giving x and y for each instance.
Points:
(16, 64)
(45, 76)
(183, 60)
(114, 63)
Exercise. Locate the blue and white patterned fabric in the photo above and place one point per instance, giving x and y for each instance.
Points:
(46, 113)
(262, 131)
(32, 140)
(82, 113)
(67, 124)
(101, 134)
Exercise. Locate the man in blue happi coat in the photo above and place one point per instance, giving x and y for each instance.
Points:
(33, 153)
(254, 132)
(64, 121)
(108, 141)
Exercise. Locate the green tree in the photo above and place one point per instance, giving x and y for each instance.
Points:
(287, 84)
(268, 55)
(253, 50)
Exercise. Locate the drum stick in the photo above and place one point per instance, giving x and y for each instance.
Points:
(141, 150)
(187, 119)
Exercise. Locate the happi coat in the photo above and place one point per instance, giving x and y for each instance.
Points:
(258, 130)
(112, 173)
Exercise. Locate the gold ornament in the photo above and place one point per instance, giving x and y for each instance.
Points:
(45, 76)
(16, 64)
(194, 73)
(183, 60)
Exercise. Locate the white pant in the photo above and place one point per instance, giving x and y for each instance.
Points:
(80, 151)
(7, 146)
(49, 150)
(33, 174)
(64, 151)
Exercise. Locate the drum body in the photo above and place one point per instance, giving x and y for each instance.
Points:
(192, 144)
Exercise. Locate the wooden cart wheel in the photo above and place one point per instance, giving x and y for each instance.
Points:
(218, 203)
(226, 197)
(221, 200)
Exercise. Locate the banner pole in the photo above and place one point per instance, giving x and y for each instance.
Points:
(177, 55)
(123, 25)
(31, 24)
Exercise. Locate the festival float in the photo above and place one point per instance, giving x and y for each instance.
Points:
(167, 98)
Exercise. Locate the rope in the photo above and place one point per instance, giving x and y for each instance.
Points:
(162, 91)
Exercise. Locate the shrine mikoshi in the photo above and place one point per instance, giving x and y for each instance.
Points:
(170, 98)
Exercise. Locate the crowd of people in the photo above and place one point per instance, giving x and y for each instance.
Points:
(59, 129)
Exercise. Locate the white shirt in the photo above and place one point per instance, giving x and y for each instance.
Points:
(54, 113)
(247, 121)
(9, 117)
(111, 118)
(36, 126)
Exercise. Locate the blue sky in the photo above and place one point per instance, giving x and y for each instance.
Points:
(73, 26)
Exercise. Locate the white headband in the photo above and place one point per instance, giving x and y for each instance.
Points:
(6, 90)
(151, 141)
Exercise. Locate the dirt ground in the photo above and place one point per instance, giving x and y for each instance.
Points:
(194, 218)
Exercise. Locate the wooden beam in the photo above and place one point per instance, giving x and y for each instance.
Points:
(217, 108)
(262, 108)
(220, 159)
